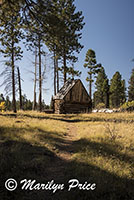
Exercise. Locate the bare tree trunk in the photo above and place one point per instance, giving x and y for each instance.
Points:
(64, 62)
(57, 74)
(20, 93)
(54, 74)
(35, 80)
(13, 79)
(40, 78)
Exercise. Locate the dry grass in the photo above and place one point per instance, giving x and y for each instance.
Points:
(117, 138)
(102, 152)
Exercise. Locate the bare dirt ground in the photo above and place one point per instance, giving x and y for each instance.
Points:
(63, 152)
(67, 149)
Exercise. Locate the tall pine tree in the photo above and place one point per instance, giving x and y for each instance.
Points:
(63, 33)
(131, 87)
(117, 90)
(93, 68)
(10, 36)
(102, 88)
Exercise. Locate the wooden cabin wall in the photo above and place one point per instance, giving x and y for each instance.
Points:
(76, 107)
(77, 94)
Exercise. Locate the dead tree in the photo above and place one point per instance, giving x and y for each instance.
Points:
(57, 75)
(35, 81)
(40, 77)
(20, 91)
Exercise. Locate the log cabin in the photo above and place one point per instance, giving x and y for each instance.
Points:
(72, 98)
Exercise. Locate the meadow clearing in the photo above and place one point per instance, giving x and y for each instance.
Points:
(95, 148)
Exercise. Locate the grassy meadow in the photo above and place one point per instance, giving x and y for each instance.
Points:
(97, 148)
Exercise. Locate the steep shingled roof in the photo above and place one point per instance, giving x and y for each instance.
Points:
(65, 89)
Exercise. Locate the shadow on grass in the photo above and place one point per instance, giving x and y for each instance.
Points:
(106, 149)
(72, 118)
(20, 160)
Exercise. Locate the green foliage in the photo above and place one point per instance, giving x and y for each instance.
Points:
(128, 106)
(123, 91)
(10, 36)
(100, 106)
(11, 32)
(102, 89)
(63, 32)
(90, 60)
(72, 72)
(8, 103)
(117, 90)
(131, 87)
(93, 68)
(27, 104)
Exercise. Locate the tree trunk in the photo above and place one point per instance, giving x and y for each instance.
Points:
(64, 61)
(107, 99)
(40, 78)
(65, 74)
(57, 72)
(13, 79)
(20, 93)
(90, 86)
(90, 89)
(35, 80)
(54, 74)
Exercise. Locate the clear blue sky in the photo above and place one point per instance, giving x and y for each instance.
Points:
(108, 30)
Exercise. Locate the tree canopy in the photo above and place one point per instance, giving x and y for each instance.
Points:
(131, 87)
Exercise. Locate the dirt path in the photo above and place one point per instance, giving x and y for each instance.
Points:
(64, 152)
(67, 147)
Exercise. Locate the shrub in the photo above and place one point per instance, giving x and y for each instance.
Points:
(128, 106)
(2, 106)
(100, 106)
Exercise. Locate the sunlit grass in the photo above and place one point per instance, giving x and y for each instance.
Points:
(102, 148)
(97, 147)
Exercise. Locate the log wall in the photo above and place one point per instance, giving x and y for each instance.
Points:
(77, 94)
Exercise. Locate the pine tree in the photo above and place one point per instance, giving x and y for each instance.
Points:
(72, 23)
(131, 87)
(117, 90)
(106, 92)
(64, 25)
(10, 36)
(30, 8)
(93, 68)
(123, 91)
(102, 88)
(8, 103)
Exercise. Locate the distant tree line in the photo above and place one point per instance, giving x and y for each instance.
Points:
(27, 104)
(111, 93)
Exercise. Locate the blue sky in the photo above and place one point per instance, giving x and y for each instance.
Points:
(108, 30)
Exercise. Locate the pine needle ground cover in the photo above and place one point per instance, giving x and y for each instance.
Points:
(91, 148)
